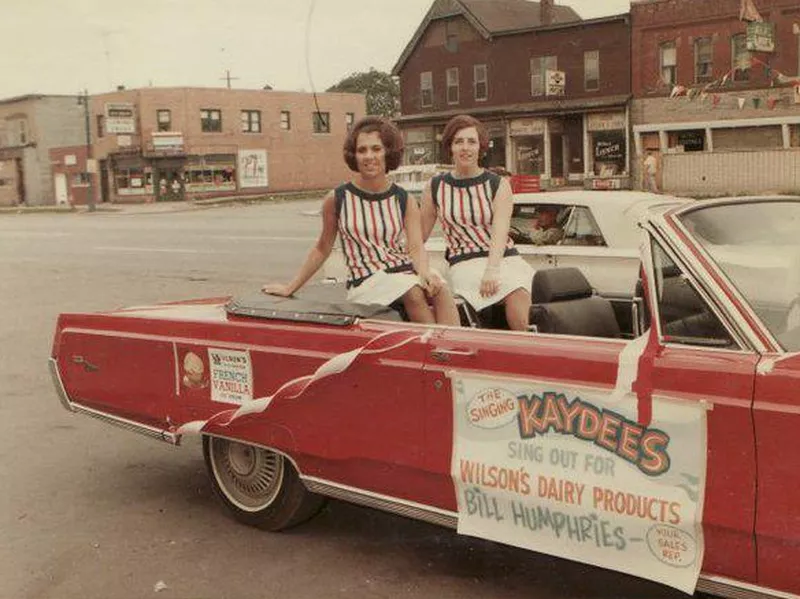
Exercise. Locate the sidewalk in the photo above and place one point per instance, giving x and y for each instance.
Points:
(164, 207)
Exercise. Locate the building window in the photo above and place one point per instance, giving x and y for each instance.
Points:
(251, 121)
(322, 122)
(539, 67)
(211, 120)
(451, 36)
(452, 85)
(426, 89)
(740, 58)
(164, 120)
(100, 128)
(591, 70)
(669, 63)
(703, 60)
(349, 120)
(81, 179)
(286, 120)
(481, 82)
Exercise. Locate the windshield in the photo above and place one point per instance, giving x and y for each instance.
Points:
(757, 245)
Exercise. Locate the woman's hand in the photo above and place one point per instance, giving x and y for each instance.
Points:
(490, 283)
(432, 283)
(276, 289)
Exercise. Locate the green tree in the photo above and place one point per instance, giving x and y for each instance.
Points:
(383, 92)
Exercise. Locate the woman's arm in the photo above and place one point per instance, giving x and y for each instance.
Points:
(428, 212)
(502, 208)
(416, 248)
(316, 256)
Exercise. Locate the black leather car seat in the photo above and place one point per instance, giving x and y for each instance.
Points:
(565, 304)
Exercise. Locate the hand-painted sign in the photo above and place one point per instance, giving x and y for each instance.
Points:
(569, 471)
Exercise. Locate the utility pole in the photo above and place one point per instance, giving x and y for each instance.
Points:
(228, 77)
(83, 98)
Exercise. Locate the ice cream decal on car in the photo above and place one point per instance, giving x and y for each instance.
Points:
(571, 472)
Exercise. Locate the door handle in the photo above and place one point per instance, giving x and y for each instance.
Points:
(444, 355)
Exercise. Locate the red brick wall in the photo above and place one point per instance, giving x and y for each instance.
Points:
(656, 21)
(508, 59)
(78, 193)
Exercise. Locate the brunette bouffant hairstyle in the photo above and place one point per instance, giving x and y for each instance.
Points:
(456, 124)
(390, 135)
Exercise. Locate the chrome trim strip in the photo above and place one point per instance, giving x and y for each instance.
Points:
(725, 587)
(124, 423)
(400, 507)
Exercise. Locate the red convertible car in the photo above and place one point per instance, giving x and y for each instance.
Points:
(664, 451)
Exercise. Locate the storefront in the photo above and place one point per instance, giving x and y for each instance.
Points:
(528, 146)
(608, 141)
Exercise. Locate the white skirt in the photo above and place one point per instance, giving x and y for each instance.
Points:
(383, 288)
(465, 279)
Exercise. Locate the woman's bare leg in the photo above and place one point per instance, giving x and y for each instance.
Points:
(416, 305)
(518, 306)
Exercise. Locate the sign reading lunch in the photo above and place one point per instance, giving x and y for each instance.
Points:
(570, 472)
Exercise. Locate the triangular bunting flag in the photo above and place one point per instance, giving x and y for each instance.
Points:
(771, 102)
(749, 12)
(741, 102)
(715, 99)
(756, 103)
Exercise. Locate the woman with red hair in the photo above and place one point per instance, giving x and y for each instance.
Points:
(474, 208)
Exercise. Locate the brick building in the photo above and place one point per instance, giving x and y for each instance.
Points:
(716, 102)
(176, 143)
(553, 89)
(30, 126)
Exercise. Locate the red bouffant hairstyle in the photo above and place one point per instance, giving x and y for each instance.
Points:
(390, 135)
(456, 124)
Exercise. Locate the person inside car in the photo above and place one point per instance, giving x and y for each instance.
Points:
(545, 230)
(474, 207)
(380, 232)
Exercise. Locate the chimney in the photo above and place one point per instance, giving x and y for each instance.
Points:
(546, 12)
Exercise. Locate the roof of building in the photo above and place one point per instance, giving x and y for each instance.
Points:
(489, 17)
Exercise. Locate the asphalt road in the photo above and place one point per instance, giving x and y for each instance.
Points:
(90, 511)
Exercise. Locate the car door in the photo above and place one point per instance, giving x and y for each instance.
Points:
(777, 420)
(699, 357)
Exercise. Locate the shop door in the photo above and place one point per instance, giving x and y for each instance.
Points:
(170, 185)
(104, 190)
(556, 156)
(62, 194)
(20, 181)
(573, 132)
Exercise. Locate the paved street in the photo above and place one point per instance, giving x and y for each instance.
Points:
(89, 511)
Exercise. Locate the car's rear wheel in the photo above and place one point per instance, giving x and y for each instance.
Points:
(259, 487)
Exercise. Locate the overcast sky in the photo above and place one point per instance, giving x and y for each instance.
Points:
(61, 47)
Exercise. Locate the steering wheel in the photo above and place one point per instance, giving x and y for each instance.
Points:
(518, 235)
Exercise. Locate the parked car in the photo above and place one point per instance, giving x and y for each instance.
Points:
(668, 456)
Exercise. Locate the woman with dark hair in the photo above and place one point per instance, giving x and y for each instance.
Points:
(474, 207)
(380, 232)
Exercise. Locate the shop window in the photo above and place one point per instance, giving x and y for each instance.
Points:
(211, 120)
(668, 57)
(81, 179)
(213, 172)
(591, 70)
(691, 140)
(426, 89)
(539, 67)
(251, 121)
(132, 181)
(609, 153)
(164, 120)
(734, 139)
(349, 120)
(480, 76)
(703, 60)
(452, 85)
(286, 120)
(740, 58)
(322, 122)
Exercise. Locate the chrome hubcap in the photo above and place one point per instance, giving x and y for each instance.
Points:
(250, 477)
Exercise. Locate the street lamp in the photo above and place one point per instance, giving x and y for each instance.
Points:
(83, 98)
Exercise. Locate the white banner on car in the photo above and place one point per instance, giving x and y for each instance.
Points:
(569, 472)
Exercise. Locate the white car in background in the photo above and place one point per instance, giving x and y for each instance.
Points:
(600, 236)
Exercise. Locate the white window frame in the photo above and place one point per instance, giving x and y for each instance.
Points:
(591, 65)
(539, 65)
(349, 120)
(160, 113)
(738, 74)
(209, 116)
(286, 120)
(321, 122)
(698, 78)
(251, 121)
(482, 79)
(451, 76)
(663, 65)
(426, 85)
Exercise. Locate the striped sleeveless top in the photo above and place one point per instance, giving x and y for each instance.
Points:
(372, 231)
(465, 209)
